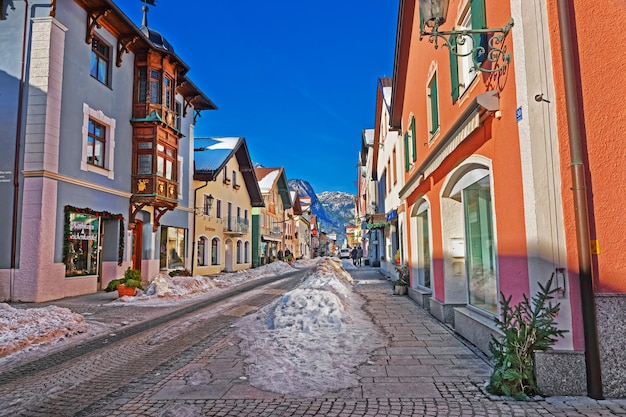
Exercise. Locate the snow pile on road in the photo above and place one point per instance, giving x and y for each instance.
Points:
(22, 329)
(310, 340)
(164, 286)
(32, 328)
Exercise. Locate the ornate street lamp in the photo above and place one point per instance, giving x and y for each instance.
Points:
(433, 14)
(206, 210)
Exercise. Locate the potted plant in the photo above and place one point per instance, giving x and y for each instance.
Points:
(402, 284)
(397, 256)
(127, 285)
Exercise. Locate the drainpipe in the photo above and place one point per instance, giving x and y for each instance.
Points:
(16, 165)
(193, 234)
(592, 351)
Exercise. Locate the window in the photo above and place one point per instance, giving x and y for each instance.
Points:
(479, 246)
(229, 218)
(84, 240)
(173, 248)
(218, 209)
(100, 58)
(423, 247)
(407, 162)
(433, 106)
(234, 178)
(238, 254)
(142, 87)
(394, 157)
(413, 138)
(155, 86)
(462, 69)
(215, 245)
(168, 93)
(202, 252)
(178, 110)
(246, 252)
(96, 144)
(166, 162)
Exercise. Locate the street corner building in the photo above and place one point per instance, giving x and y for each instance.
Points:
(496, 164)
(97, 117)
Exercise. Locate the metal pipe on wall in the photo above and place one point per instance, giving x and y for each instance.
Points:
(579, 189)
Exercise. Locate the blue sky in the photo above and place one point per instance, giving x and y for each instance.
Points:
(296, 79)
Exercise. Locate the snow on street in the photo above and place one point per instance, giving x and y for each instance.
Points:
(307, 342)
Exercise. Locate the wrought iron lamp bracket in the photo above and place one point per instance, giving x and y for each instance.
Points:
(453, 38)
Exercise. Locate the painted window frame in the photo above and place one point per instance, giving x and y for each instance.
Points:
(109, 160)
(432, 105)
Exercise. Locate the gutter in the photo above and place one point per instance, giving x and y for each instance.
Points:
(193, 235)
(581, 215)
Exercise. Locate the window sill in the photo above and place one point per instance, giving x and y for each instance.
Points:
(84, 166)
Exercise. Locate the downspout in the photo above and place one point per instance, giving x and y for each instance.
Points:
(592, 353)
(193, 235)
(16, 165)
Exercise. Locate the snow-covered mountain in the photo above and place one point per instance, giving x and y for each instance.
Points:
(334, 209)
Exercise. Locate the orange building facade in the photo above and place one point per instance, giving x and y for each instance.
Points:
(487, 194)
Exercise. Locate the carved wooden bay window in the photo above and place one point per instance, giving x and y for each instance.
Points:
(155, 137)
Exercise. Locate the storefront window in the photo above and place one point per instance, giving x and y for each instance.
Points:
(84, 240)
(173, 244)
(481, 263)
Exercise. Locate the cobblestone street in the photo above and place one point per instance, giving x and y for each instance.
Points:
(424, 370)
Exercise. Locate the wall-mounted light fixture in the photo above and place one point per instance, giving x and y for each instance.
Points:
(206, 210)
(433, 14)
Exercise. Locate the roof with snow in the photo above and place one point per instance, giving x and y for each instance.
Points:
(211, 154)
(269, 178)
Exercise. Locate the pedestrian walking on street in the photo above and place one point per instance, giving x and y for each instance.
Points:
(354, 255)
(359, 254)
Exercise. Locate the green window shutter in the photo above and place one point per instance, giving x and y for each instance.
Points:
(406, 151)
(454, 70)
(479, 21)
(434, 105)
(414, 138)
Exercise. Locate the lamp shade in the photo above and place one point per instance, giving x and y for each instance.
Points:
(433, 12)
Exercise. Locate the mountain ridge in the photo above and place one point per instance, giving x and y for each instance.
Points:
(334, 209)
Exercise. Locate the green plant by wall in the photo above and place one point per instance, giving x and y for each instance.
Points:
(527, 327)
(132, 279)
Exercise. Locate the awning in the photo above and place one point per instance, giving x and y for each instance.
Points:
(392, 215)
(271, 238)
(378, 225)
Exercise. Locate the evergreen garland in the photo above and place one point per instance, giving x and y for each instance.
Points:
(102, 214)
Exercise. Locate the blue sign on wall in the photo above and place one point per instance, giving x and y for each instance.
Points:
(518, 114)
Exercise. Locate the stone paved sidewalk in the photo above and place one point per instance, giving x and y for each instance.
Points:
(425, 370)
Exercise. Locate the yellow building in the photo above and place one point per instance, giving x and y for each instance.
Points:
(225, 190)
(269, 224)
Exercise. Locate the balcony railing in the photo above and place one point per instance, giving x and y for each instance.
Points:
(234, 224)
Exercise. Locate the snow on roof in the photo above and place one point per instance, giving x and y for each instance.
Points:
(369, 136)
(210, 153)
(266, 183)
